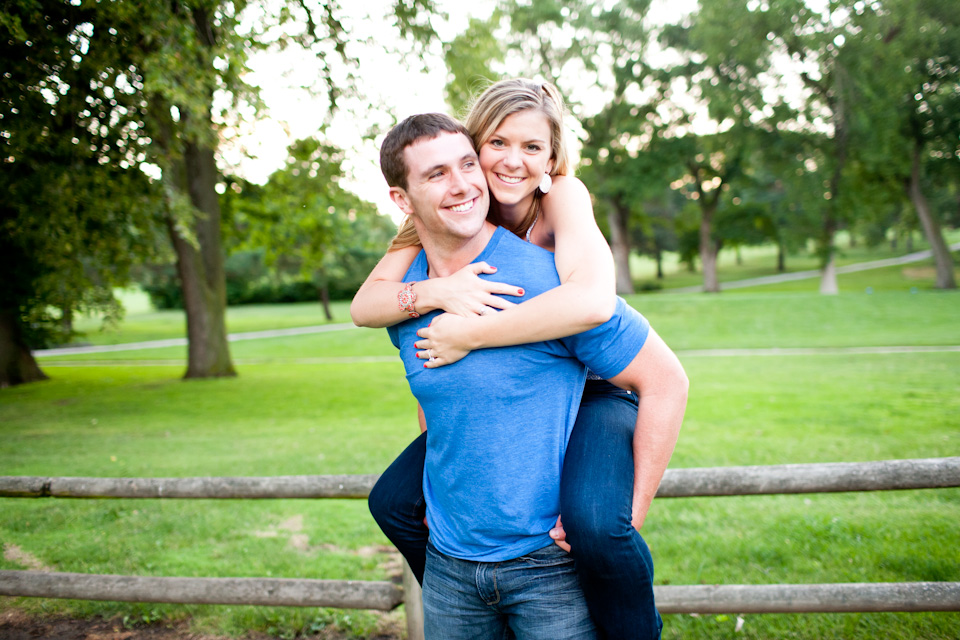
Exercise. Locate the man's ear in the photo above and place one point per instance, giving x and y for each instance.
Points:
(399, 197)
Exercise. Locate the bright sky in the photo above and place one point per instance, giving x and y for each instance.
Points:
(386, 84)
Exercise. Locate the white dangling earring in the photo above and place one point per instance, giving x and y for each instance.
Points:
(545, 183)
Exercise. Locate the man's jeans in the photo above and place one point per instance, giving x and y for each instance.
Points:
(533, 597)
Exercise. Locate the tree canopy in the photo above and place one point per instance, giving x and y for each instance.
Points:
(304, 221)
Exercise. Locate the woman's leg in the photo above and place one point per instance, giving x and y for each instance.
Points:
(596, 496)
(397, 504)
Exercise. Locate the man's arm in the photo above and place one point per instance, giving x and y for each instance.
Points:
(657, 376)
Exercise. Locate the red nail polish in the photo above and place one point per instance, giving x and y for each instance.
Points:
(520, 292)
(494, 268)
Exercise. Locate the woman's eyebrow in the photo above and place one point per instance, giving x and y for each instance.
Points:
(527, 141)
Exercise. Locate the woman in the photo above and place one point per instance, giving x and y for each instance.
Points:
(517, 128)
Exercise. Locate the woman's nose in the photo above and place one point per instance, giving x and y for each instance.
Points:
(512, 158)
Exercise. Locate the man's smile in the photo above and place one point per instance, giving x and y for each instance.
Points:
(463, 207)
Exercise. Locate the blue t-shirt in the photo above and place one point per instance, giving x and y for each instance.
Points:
(499, 419)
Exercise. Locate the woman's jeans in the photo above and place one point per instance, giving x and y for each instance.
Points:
(596, 499)
(533, 597)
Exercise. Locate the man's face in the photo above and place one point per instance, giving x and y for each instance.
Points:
(446, 192)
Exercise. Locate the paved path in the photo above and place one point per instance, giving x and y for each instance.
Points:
(815, 273)
(182, 342)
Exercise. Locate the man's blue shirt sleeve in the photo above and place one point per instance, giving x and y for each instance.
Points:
(609, 348)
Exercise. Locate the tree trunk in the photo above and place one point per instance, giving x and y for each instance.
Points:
(66, 322)
(618, 216)
(931, 227)
(200, 267)
(17, 364)
(828, 277)
(190, 175)
(659, 257)
(828, 254)
(781, 257)
(708, 247)
(325, 302)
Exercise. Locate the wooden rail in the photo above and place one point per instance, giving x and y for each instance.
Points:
(891, 475)
(357, 486)
(280, 592)
(346, 594)
(809, 598)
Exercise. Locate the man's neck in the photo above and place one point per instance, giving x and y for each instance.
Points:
(445, 257)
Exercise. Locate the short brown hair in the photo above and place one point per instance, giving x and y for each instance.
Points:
(412, 129)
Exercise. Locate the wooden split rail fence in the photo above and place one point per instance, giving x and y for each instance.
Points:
(891, 475)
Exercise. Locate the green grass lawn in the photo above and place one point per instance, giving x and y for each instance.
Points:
(309, 405)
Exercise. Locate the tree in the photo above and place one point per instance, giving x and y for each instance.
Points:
(625, 176)
(76, 213)
(730, 56)
(642, 139)
(656, 230)
(470, 57)
(303, 218)
(864, 72)
(712, 163)
(189, 52)
(782, 180)
(915, 69)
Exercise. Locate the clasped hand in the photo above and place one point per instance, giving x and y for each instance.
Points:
(441, 342)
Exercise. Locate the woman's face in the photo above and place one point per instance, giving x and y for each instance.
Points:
(515, 157)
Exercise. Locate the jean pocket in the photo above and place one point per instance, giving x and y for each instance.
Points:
(549, 556)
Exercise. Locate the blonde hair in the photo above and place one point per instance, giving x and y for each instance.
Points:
(407, 236)
(499, 101)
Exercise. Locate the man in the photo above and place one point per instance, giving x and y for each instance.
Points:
(500, 418)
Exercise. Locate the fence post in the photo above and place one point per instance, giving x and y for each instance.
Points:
(412, 604)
